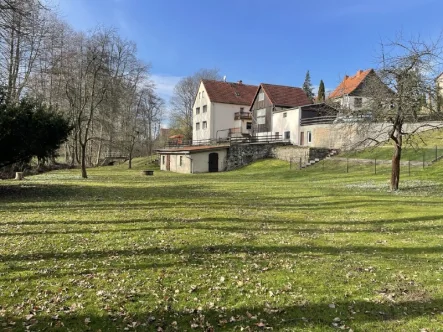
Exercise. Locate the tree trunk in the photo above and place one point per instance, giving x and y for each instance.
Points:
(83, 163)
(99, 150)
(395, 174)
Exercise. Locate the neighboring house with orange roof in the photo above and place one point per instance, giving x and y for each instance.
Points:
(221, 110)
(349, 94)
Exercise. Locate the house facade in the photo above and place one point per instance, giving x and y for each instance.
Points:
(273, 99)
(221, 110)
(299, 125)
(350, 93)
(194, 159)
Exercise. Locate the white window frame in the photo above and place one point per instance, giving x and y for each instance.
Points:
(309, 136)
(261, 96)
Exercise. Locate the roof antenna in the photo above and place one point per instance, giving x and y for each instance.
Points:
(224, 78)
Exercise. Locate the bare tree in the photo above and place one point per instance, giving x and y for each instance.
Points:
(183, 99)
(23, 27)
(401, 98)
(87, 86)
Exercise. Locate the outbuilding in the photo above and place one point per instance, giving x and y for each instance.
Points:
(194, 159)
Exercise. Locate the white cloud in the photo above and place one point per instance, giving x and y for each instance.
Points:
(164, 84)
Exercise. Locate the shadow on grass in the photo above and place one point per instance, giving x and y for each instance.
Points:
(355, 314)
(225, 249)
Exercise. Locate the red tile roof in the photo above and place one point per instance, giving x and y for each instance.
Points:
(288, 96)
(349, 84)
(230, 93)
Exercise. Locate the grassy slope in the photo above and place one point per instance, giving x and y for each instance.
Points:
(261, 246)
(421, 146)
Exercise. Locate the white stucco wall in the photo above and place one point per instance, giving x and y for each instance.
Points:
(218, 117)
(289, 123)
(201, 100)
(197, 162)
(200, 161)
(175, 163)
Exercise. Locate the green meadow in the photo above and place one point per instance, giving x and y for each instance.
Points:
(260, 248)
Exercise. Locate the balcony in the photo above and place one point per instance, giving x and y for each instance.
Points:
(243, 116)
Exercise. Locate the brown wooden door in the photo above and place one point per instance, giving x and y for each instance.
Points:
(302, 138)
(168, 162)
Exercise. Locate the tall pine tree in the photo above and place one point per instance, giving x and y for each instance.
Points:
(307, 86)
(321, 92)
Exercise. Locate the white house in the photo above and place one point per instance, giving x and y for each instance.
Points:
(300, 125)
(221, 109)
(194, 159)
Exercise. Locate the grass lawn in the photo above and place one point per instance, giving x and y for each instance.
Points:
(427, 146)
(258, 248)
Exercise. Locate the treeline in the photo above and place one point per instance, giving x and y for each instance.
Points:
(94, 80)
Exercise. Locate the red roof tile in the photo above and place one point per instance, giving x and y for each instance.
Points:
(289, 96)
(349, 84)
(230, 93)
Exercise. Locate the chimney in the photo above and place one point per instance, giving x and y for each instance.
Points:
(240, 82)
(346, 77)
(359, 72)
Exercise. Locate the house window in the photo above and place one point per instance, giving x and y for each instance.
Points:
(199, 95)
(197, 110)
(205, 125)
(261, 116)
(205, 108)
(358, 102)
(261, 96)
(287, 134)
(277, 134)
(309, 135)
(163, 160)
(203, 94)
(181, 160)
(242, 109)
(197, 126)
(248, 125)
(285, 114)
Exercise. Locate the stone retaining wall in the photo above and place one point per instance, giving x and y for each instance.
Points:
(242, 155)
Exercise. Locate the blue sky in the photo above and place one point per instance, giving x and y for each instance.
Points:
(258, 41)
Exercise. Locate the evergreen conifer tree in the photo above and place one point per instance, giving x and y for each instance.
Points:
(307, 86)
(321, 92)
